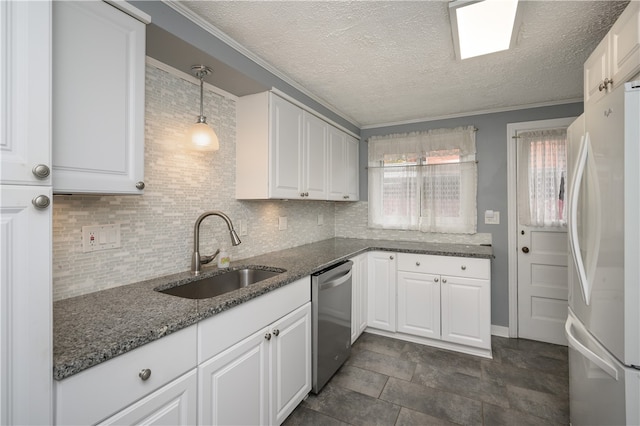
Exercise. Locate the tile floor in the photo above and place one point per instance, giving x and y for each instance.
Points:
(392, 382)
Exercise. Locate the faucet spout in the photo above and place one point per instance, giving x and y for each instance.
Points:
(196, 259)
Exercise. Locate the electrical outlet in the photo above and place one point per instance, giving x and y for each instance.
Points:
(100, 237)
(282, 223)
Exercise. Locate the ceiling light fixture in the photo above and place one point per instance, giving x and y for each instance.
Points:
(200, 135)
(482, 27)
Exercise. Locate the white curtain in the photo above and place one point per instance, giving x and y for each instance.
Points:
(542, 177)
(425, 181)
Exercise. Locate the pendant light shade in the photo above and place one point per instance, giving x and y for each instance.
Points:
(201, 136)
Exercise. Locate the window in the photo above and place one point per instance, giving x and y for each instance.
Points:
(424, 181)
(542, 177)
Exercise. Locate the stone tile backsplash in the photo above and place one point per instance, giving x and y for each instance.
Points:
(157, 227)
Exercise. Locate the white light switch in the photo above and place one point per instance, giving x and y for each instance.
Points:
(243, 227)
(100, 237)
(492, 217)
(282, 223)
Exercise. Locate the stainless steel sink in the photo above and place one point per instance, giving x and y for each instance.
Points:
(225, 282)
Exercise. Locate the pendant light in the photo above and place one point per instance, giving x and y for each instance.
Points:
(200, 135)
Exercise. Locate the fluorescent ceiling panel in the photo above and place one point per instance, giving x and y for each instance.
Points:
(482, 27)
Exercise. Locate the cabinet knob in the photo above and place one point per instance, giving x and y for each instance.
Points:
(346, 197)
(417, 263)
(41, 202)
(140, 185)
(267, 336)
(145, 374)
(463, 267)
(276, 332)
(444, 281)
(390, 257)
(435, 280)
(306, 194)
(41, 171)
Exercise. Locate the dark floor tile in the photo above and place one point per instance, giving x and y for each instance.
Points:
(380, 344)
(499, 416)
(533, 360)
(383, 364)
(540, 404)
(504, 374)
(303, 416)
(541, 348)
(453, 361)
(462, 384)
(359, 380)
(352, 407)
(410, 417)
(436, 403)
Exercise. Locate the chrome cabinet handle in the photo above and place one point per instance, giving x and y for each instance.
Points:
(444, 281)
(302, 194)
(276, 332)
(605, 84)
(390, 257)
(41, 171)
(267, 336)
(145, 374)
(140, 185)
(417, 263)
(463, 267)
(41, 202)
(435, 280)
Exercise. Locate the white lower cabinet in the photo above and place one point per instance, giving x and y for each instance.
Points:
(381, 276)
(173, 404)
(261, 379)
(466, 311)
(358, 296)
(419, 304)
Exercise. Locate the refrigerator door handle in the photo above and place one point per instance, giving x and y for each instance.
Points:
(575, 343)
(573, 219)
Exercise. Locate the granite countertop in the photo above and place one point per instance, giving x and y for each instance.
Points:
(96, 327)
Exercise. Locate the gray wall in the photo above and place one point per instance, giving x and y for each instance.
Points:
(491, 144)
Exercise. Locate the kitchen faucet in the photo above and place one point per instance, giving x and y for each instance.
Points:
(196, 259)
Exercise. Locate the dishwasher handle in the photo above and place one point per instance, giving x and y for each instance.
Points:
(336, 282)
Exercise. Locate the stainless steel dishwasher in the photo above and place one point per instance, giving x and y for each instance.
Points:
(331, 321)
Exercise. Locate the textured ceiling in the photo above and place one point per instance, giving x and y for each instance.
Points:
(380, 62)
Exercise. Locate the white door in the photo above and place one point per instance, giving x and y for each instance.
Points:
(290, 362)
(233, 386)
(542, 245)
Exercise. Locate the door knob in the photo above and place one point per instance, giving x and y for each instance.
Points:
(525, 249)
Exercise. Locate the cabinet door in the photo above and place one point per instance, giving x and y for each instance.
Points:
(315, 157)
(352, 188)
(337, 164)
(173, 404)
(359, 296)
(624, 45)
(290, 362)
(419, 304)
(285, 155)
(466, 311)
(382, 291)
(596, 69)
(25, 91)
(233, 386)
(25, 307)
(98, 99)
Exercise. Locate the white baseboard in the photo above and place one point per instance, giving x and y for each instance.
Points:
(500, 331)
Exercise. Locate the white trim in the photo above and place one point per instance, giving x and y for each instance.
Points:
(130, 10)
(187, 77)
(512, 215)
(472, 113)
(500, 331)
(218, 33)
(313, 112)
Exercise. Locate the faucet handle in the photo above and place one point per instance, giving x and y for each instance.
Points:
(206, 259)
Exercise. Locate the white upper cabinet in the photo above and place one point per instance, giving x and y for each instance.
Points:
(98, 98)
(285, 152)
(617, 57)
(343, 166)
(25, 93)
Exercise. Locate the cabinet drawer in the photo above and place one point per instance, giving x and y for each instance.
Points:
(445, 265)
(101, 391)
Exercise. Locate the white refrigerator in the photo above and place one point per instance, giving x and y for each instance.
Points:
(603, 325)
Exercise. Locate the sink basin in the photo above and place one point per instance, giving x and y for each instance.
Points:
(222, 283)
